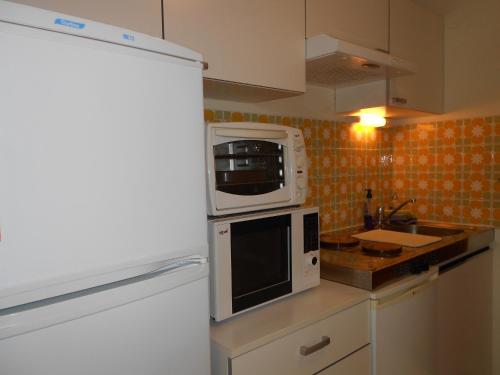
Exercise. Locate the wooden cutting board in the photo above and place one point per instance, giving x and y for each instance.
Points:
(405, 239)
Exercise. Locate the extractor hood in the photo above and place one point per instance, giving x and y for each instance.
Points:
(333, 62)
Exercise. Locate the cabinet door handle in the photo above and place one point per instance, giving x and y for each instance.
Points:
(399, 100)
(306, 350)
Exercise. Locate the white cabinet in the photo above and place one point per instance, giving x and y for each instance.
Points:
(416, 34)
(326, 328)
(465, 316)
(138, 15)
(363, 22)
(357, 363)
(255, 49)
(310, 349)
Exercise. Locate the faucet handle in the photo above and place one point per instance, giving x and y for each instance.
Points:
(379, 216)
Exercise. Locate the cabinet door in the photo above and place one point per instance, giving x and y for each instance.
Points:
(465, 318)
(416, 34)
(358, 363)
(138, 15)
(258, 42)
(363, 22)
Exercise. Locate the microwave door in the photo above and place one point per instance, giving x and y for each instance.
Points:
(260, 261)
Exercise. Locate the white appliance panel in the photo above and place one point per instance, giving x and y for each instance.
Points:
(155, 326)
(92, 169)
(404, 327)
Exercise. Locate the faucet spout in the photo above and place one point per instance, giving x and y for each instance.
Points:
(388, 217)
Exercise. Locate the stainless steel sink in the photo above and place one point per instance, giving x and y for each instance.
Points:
(424, 229)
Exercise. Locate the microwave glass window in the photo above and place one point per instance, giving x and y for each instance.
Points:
(250, 167)
(260, 260)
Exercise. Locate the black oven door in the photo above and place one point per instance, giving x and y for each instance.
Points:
(261, 261)
(250, 167)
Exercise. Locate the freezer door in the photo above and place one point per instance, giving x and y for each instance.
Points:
(102, 159)
(156, 326)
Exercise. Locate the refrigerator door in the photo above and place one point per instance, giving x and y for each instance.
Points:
(101, 153)
(149, 326)
(404, 327)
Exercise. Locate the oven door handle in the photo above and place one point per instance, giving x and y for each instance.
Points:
(251, 133)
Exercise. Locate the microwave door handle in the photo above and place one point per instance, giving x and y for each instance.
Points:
(289, 248)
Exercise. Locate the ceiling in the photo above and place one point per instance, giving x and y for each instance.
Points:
(439, 6)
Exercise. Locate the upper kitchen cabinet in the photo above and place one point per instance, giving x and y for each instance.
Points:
(139, 15)
(416, 34)
(255, 49)
(362, 22)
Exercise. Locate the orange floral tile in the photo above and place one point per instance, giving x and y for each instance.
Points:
(424, 134)
(424, 184)
(326, 191)
(326, 163)
(400, 136)
(308, 131)
(209, 115)
(477, 130)
(343, 162)
(448, 158)
(343, 187)
(476, 184)
(448, 132)
(478, 157)
(400, 160)
(371, 160)
(423, 208)
(447, 210)
(448, 184)
(342, 215)
(476, 213)
(400, 184)
(385, 138)
(236, 116)
(326, 134)
(286, 121)
(263, 119)
(425, 160)
(343, 135)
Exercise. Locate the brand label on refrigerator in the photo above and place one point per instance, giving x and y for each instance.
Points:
(69, 23)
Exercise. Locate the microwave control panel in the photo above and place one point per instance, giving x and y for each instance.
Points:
(311, 249)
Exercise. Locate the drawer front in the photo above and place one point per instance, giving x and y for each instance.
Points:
(357, 363)
(309, 349)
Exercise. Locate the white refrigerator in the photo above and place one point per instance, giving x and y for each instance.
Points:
(103, 246)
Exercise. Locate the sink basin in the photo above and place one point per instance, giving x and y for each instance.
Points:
(424, 229)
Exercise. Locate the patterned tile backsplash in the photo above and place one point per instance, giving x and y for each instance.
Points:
(452, 167)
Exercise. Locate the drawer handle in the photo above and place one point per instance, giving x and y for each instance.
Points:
(306, 350)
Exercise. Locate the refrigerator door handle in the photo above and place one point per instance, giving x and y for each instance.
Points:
(390, 300)
(178, 264)
(51, 311)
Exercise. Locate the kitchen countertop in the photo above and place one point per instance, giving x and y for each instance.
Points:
(352, 267)
(258, 327)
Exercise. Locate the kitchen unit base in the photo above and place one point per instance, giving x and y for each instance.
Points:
(316, 330)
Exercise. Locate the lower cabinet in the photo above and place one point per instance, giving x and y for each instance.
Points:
(328, 346)
(358, 363)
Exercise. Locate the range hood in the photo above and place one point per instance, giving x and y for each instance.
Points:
(333, 62)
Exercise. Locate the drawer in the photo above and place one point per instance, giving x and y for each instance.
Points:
(358, 363)
(309, 349)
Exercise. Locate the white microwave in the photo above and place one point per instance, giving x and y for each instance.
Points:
(253, 166)
(258, 258)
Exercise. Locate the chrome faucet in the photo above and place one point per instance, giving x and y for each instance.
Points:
(381, 219)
